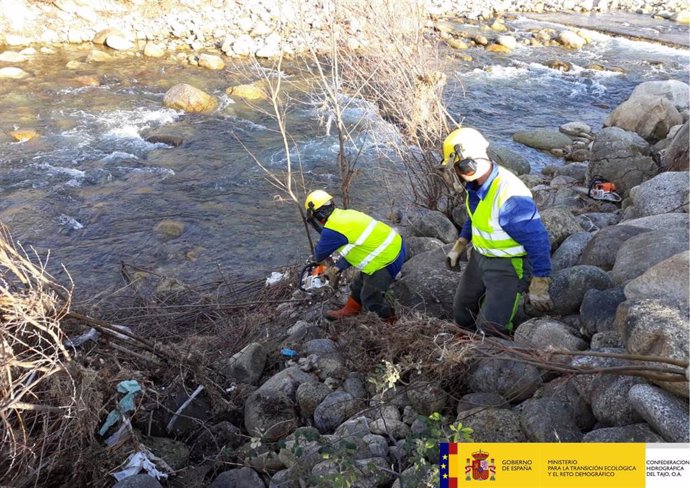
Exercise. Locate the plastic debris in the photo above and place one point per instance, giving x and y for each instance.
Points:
(290, 353)
(143, 460)
(126, 404)
(90, 335)
(276, 278)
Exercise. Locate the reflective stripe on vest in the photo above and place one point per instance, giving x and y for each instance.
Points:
(372, 245)
(488, 237)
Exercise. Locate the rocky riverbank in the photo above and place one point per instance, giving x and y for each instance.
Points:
(262, 28)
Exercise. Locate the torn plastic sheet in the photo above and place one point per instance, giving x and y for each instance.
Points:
(126, 404)
(143, 460)
(276, 278)
(90, 335)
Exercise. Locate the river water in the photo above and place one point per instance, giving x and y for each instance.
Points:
(91, 189)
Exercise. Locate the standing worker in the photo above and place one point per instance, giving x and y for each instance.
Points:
(371, 246)
(504, 227)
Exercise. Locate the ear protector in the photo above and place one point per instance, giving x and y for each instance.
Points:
(466, 166)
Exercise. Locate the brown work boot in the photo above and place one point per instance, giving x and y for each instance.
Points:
(351, 307)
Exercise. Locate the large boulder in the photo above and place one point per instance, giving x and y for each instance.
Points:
(666, 413)
(601, 250)
(543, 139)
(621, 157)
(649, 116)
(639, 253)
(665, 193)
(569, 252)
(660, 222)
(334, 410)
(656, 327)
(492, 424)
(509, 159)
(676, 157)
(417, 245)
(568, 287)
(674, 91)
(598, 310)
(427, 285)
(246, 366)
(560, 223)
(667, 279)
(548, 419)
(627, 433)
(433, 223)
(185, 97)
(610, 404)
(547, 333)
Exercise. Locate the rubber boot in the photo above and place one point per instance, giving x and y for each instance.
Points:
(351, 307)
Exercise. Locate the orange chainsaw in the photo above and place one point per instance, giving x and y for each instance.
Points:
(602, 189)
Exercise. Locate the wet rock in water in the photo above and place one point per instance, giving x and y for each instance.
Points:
(433, 224)
(667, 279)
(97, 56)
(610, 403)
(186, 97)
(23, 135)
(543, 139)
(12, 73)
(665, 413)
(254, 91)
(497, 48)
(334, 410)
(12, 57)
(574, 170)
(498, 25)
(602, 248)
(480, 40)
(665, 193)
(626, 433)
(575, 129)
(568, 286)
(118, 42)
(74, 64)
(209, 61)
(656, 327)
(138, 481)
(548, 419)
(559, 65)
(457, 43)
(598, 310)
(102, 35)
(507, 41)
(643, 251)
(571, 40)
(246, 366)
(169, 228)
(166, 139)
(492, 424)
(153, 50)
(509, 159)
(235, 478)
(88, 80)
(570, 250)
(560, 223)
(547, 333)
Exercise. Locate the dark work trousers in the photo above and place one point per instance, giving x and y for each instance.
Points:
(489, 292)
(370, 291)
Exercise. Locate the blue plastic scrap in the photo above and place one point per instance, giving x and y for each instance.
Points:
(126, 404)
(291, 353)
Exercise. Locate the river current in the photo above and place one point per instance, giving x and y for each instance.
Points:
(91, 189)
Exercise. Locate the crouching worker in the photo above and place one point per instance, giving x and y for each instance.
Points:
(374, 248)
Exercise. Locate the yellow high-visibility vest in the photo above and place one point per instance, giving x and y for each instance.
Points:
(372, 245)
(488, 237)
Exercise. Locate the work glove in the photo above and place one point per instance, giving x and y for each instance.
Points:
(332, 274)
(453, 257)
(538, 294)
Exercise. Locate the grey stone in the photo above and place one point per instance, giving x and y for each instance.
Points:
(649, 116)
(609, 338)
(610, 403)
(334, 410)
(603, 219)
(173, 452)
(570, 250)
(283, 479)
(626, 433)
(476, 400)
(246, 366)
(575, 129)
(601, 250)
(560, 223)
(396, 429)
(656, 328)
(302, 449)
(677, 157)
(138, 481)
(238, 478)
(354, 385)
(426, 398)
(378, 446)
(598, 310)
(574, 170)
(547, 333)
(660, 222)
(543, 139)
(416, 245)
(309, 395)
(509, 159)
(665, 413)
(319, 347)
(665, 193)
(674, 91)
(643, 251)
(492, 424)
(354, 427)
(668, 279)
(587, 383)
(546, 420)
(621, 157)
(427, 285)
(568, 287)
(434, 224)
